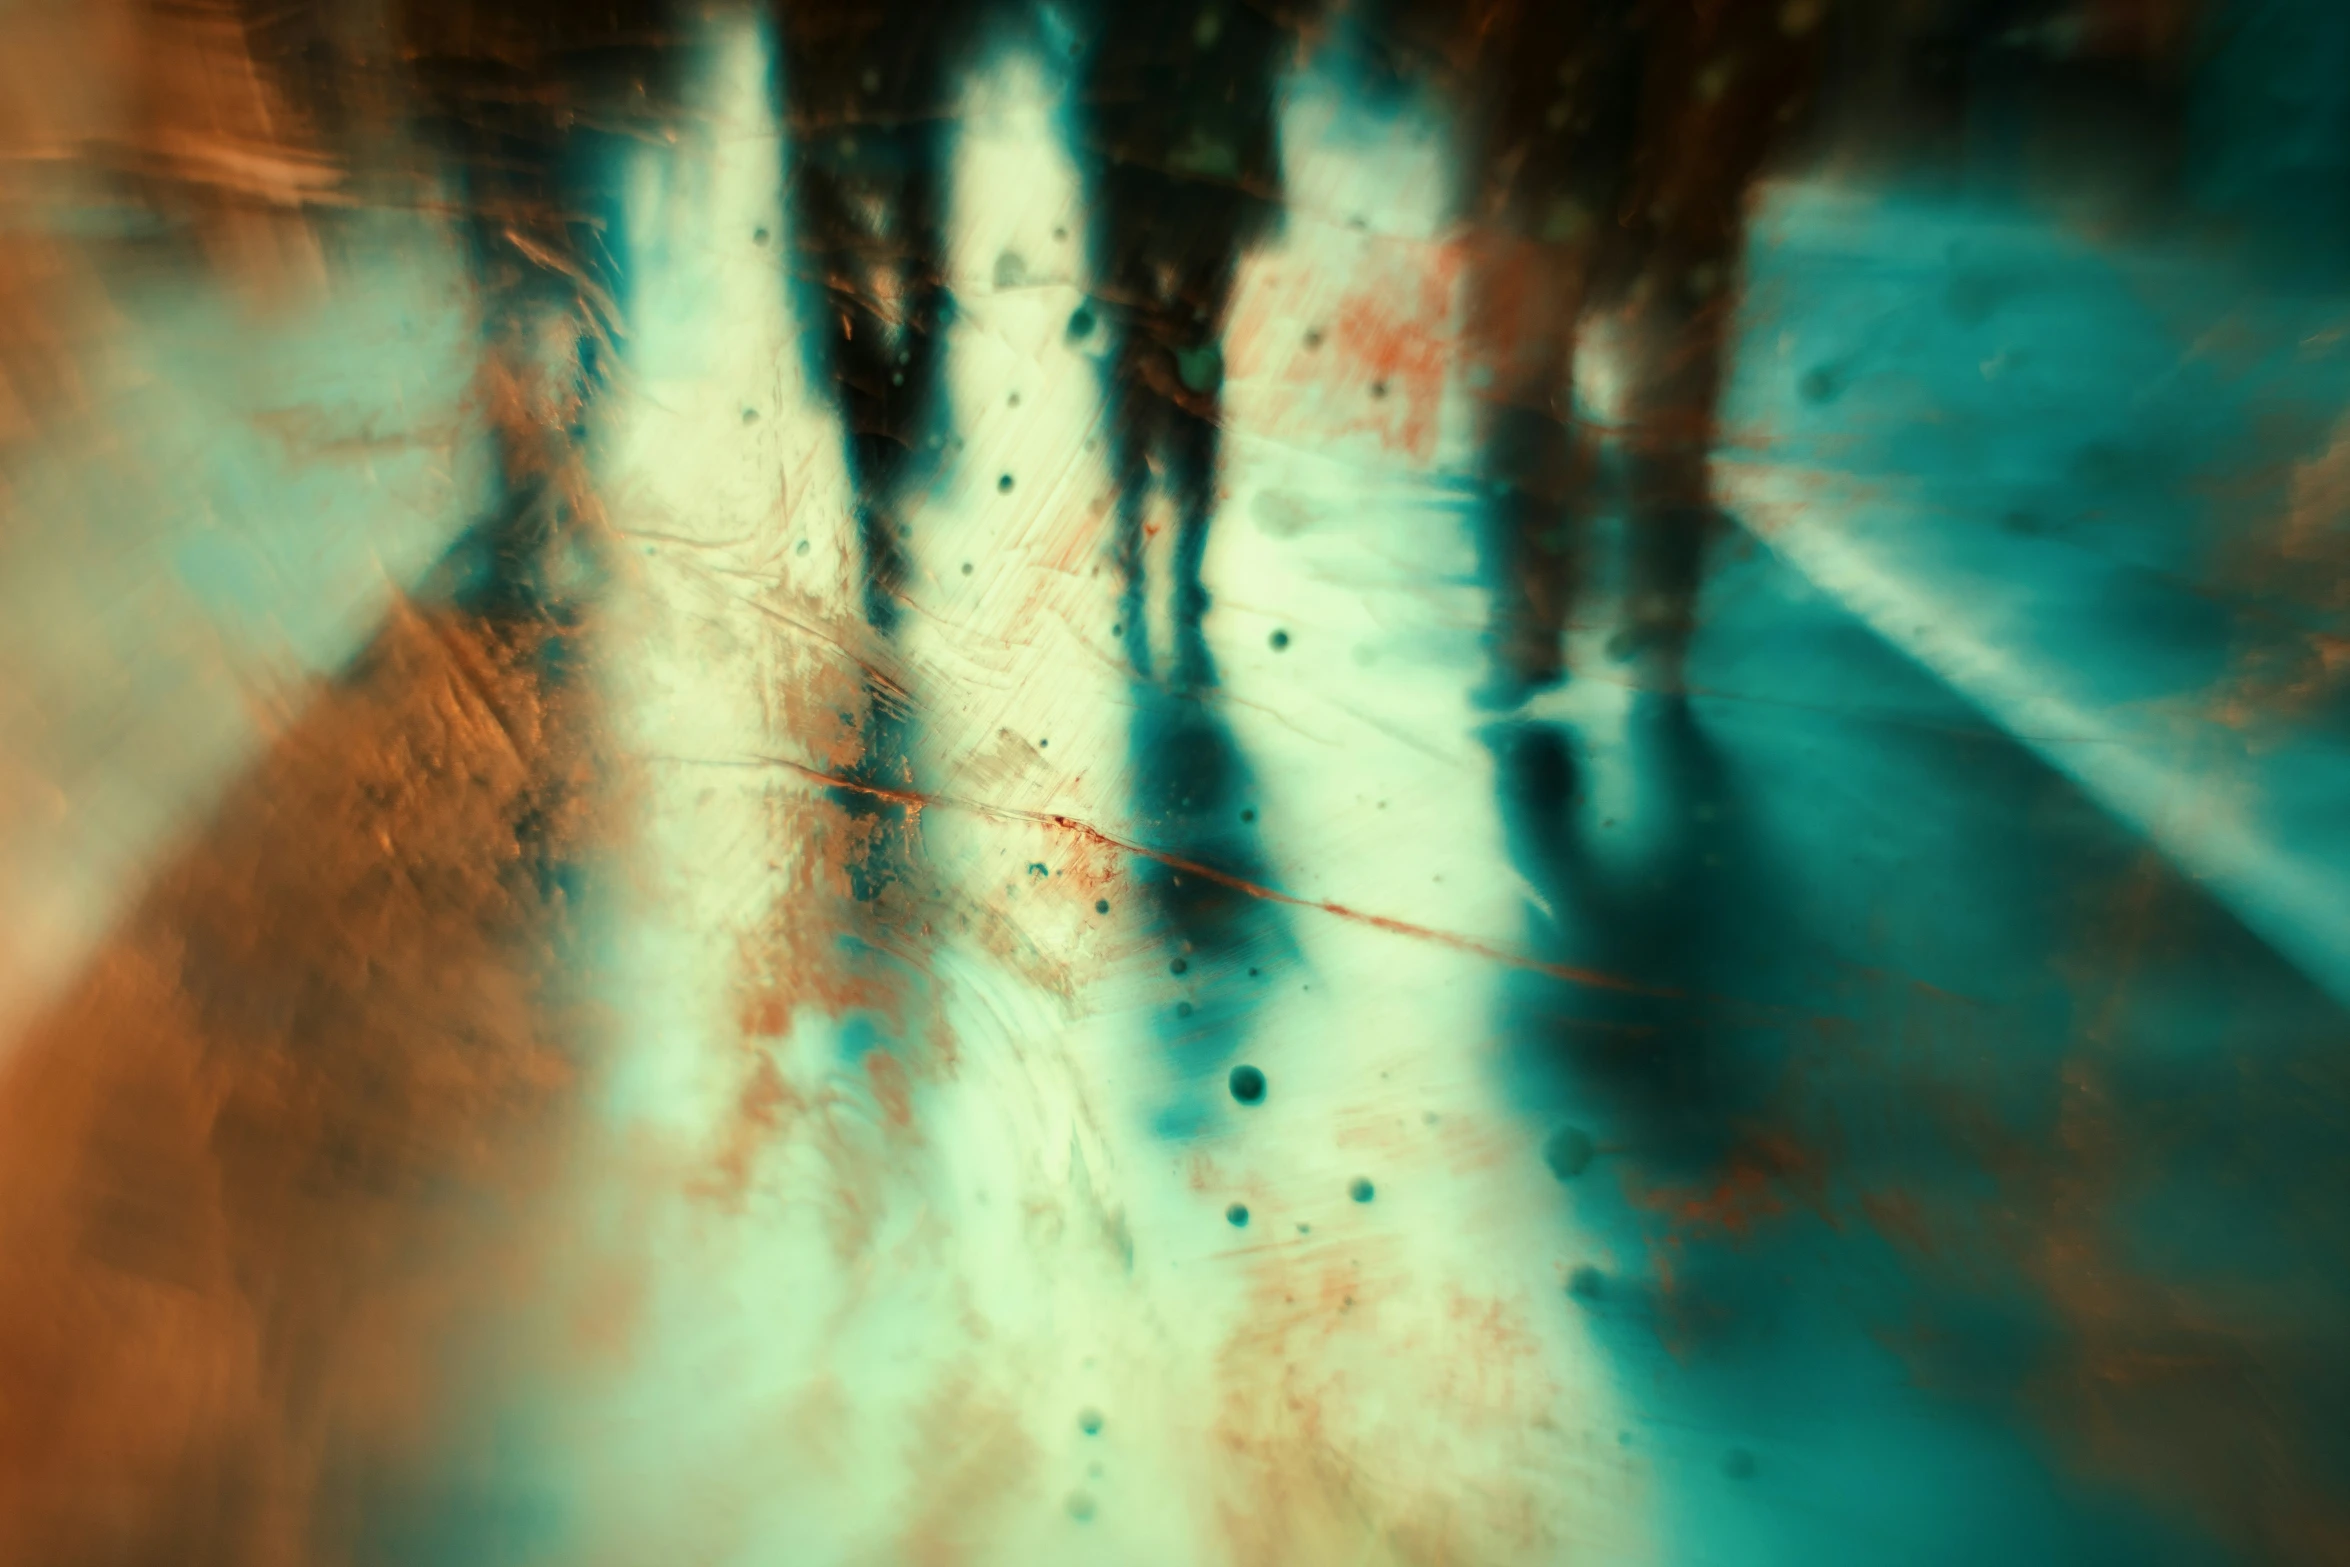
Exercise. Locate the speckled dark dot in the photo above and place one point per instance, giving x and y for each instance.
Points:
(1248, 1084)
(1313, 337)
(758, 236)
(1179, 966)
(1378, 388)
(1585, 1283)
(1004, 485)
(1248, 814)
(1101, 905)
(966, 568)
(1237, 1216)
(1568, 1152)
(1081, 322)
(1080, 1507)
(1183, 1009)
(1361, 1190)
(1279, 639)
(1738, 1464)
(1089, 1421)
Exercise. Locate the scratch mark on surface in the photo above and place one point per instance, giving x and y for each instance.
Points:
(1593, 979)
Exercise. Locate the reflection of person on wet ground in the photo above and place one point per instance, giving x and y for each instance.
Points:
(1179, 137)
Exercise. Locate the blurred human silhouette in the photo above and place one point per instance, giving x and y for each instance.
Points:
(1178, 134)
(868, 90)
(1610, 151)
(529, 106)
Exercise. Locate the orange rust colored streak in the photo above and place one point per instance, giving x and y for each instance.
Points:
(918, 800)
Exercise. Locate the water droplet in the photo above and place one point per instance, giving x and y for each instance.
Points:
(1080, 1506)
(1248, 1084)
(1361, 1190)
(1180, 965)
(1089, 1421)
(1586, 1283)
(1237, 1216)
(1279, 639)
(1004, 485)
(1101, 905)
(1568, 1152)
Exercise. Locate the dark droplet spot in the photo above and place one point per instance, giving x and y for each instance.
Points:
(1081, 322)
(1089, 1421)
(758, 236)
(1279, 639)
(1568, 1152)
(1004, 485)
(1313, 337)
(1080, 1506)
(1248, 1084)
(1179, 966)
(1249, 814)
(1819, 384)
(966, 568)
(1101, 905)
(1378, 388)
(1361, 1190)
(1183, 1009)
(1237, 1216)
(1585, 1283)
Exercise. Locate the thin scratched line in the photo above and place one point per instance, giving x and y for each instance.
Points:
(916, 800)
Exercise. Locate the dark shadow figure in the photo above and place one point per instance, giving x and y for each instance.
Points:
(1611, 148)
(1178, 128)
(534, 107)
(1671, 915)
(869, 90)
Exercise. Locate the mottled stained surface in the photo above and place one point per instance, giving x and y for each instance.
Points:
(951, 784)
